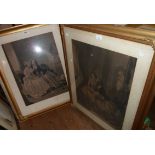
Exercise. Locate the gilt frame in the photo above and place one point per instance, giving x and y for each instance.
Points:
(137, 35)
(21, 29)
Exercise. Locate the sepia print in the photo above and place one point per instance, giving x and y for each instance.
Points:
(103, 81)
(37, 68)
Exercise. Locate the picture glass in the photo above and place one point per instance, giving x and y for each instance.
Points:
(37, 68)
(103, 81)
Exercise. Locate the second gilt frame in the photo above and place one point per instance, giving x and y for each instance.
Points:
(97, 33)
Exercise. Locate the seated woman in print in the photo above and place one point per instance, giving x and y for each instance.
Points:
(34, 85)
(92, 88)
(49, 76)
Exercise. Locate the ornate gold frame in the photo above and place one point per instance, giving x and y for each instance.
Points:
(137, 35)
(14, 105)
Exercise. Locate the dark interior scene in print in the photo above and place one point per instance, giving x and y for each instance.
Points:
(103, 81)
(37, 68)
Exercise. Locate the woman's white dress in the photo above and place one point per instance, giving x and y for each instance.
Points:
(34, 86)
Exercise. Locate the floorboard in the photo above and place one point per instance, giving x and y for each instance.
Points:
(66, 118)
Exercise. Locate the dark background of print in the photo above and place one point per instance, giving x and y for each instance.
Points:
(109, 105)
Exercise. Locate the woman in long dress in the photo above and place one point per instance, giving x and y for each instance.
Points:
(34, 85)
(49, 76)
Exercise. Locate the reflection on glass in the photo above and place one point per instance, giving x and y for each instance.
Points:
(37, 49)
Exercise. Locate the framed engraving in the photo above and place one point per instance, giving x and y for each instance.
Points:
(32, 62)
(108, 75)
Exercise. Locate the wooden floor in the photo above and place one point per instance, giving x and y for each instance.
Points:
(66, 118)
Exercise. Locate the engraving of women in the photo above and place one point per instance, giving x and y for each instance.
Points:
(34, 85)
